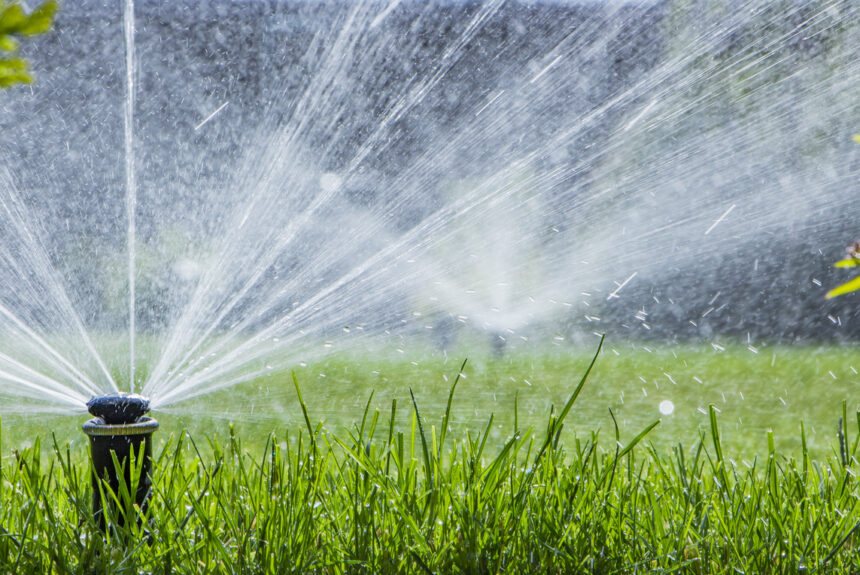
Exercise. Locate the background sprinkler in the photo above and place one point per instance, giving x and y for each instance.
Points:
(120, 427)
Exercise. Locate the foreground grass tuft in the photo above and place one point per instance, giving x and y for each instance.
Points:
(374, 499)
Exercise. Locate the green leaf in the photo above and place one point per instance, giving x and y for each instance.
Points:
(12, 78)
(845, 288)
(40, 19)
(8, 44)
(15, 22)
(847, 263)
(12, 19)
(8, 65)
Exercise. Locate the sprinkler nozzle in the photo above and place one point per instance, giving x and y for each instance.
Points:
(118, 408)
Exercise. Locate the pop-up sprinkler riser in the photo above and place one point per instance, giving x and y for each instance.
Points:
(120, 428)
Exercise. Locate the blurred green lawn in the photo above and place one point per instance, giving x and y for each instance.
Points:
(754, 389)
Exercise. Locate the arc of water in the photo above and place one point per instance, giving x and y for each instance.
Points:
(52, 354)
(334, 67)
(334, 64)
(346, 40)
(399, 110)
(15, 210)
(244, 350)
(269, 256)
(359, 270)
(55, 388)
(624, 96)
(75, 400)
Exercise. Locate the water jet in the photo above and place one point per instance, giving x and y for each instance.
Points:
(120, 444)
(542, 170)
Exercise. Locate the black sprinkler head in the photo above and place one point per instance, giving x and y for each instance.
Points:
(118, 408)
(119, 431)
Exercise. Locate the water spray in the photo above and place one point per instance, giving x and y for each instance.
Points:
(120, 428)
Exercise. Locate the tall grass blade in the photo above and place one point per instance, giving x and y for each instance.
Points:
(425, 449)
(639, 437)
(448, 409)
(311, 434)
(554, 429)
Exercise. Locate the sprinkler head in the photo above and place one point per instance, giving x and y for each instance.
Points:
(118, 408)
(118, 432)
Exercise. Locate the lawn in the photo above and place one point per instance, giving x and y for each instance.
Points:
(772, 388)
(396, 483)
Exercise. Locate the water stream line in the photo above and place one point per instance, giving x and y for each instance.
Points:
(130, 184)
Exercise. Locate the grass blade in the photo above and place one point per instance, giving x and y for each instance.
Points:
(448, 410)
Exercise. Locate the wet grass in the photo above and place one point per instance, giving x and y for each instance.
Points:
(401, 491)
(772, 388)
(768, 389)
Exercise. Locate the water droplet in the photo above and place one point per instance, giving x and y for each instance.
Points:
(330, 182)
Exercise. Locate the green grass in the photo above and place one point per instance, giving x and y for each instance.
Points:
(773, 389)
(407, 489)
